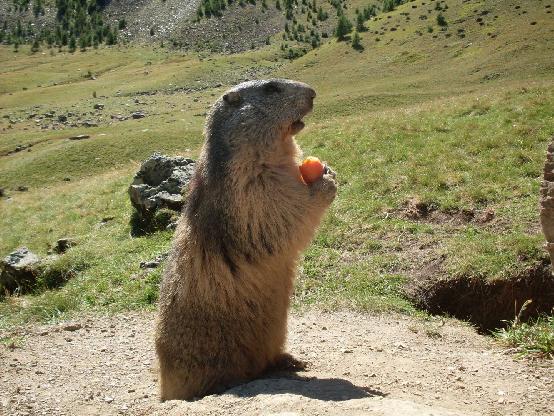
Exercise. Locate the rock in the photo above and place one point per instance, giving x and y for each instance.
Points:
(152, 264)
(20, 147)
(72, 327)
(79, 137)
(98, 106)
(89, 123)
(2, 192)
(171, 226)
(159, 184)
(138, 114)
(486, 216)
(63, 244)
(19, 270)
(22, 188)
(62, 118)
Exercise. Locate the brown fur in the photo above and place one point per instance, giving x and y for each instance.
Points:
(226, 288)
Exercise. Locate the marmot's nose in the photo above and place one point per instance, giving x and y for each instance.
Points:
(311, 93)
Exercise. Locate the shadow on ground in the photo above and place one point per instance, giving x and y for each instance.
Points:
(326, 389)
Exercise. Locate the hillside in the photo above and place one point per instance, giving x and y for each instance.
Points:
(438, 134)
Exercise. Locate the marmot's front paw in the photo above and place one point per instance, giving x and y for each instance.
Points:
(325, 188)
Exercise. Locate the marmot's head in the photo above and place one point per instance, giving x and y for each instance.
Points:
(259, 113)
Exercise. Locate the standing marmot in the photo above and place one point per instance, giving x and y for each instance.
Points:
(227, 284)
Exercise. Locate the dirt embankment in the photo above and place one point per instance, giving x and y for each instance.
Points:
(486, 304)
(360, 364)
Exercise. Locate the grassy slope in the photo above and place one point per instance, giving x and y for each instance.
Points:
(459, 123)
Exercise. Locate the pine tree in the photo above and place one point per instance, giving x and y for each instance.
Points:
(36, 46)
(83, 43)
(356, 41)
(72, 44)
(321, 15)
(344, 27)
(360, 23)
(441, 20)
(38, 8)
(111, 37)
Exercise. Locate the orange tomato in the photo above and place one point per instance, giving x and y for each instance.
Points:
(311, 169)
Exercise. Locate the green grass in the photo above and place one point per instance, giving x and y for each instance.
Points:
(104, 265)
(411, 117)
(533, 339)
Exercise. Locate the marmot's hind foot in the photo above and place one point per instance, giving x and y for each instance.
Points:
(288, 363)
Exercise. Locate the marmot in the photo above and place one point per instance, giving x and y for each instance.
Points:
(226, 288)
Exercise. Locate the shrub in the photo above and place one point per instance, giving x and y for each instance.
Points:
(441, 20)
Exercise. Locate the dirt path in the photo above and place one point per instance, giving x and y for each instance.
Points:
(388, 365)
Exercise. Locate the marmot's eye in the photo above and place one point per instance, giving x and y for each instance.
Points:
(271, 87)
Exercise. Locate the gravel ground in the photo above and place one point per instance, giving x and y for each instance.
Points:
(359, 364)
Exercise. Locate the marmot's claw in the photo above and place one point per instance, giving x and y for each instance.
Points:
(328, 171)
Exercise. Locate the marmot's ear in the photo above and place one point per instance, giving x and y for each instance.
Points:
(232, 97)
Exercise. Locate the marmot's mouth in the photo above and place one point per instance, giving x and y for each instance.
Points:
(296, 126)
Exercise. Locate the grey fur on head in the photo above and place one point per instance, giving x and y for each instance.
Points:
(259, 110)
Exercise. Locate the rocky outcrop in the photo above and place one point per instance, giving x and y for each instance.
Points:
(547, 201)
(19, 270)
(159, 184)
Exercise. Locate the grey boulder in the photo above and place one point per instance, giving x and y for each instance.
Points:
(19, 270)
(160, 183)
